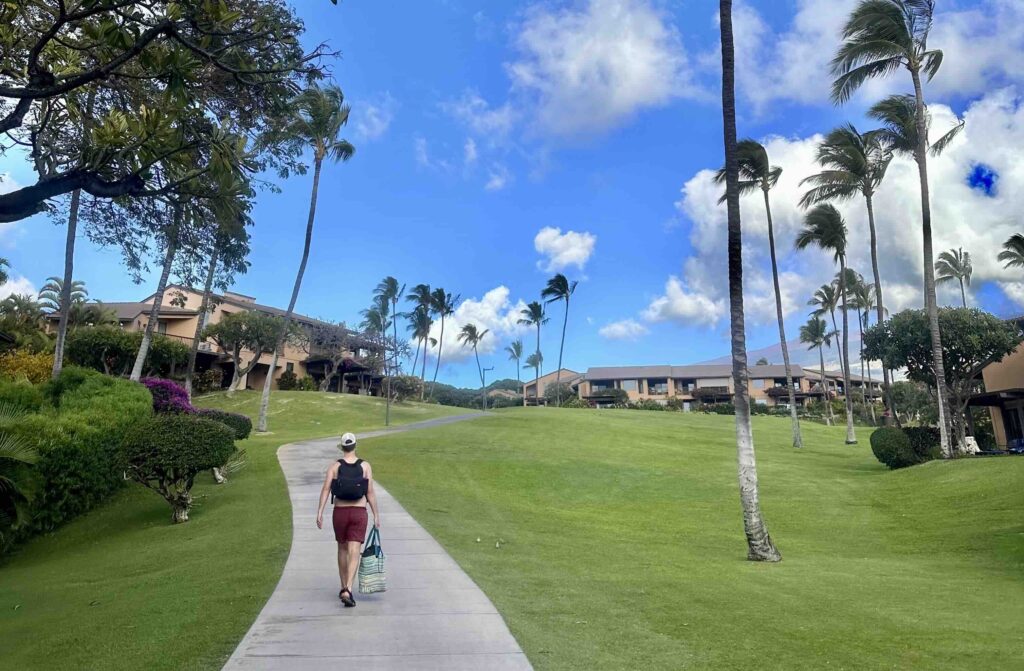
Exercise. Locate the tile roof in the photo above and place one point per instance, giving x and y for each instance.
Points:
(696, 371)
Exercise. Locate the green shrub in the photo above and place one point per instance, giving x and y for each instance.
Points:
(112, 350)
(617, 397)
(21, 364)
(892, 447)
(406, 387)
(646, 404)
(21, 394)
(574, 402)
(306, 384)
(925, 441)
(240, 424)
(288, 381)
(719, 409)
(552, 391)
(207, 381)
(77, 438)
(166, 452)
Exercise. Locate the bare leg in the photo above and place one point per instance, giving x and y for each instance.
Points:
(342, 563)
(353, 552)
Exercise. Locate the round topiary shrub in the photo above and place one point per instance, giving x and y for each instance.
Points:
(168, 396)
(925, 442)
(892, 447)
(240, 424)
(166, 452)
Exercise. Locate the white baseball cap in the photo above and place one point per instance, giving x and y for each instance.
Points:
(348, 439)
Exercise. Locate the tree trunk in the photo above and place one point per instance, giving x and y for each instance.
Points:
(931, 304)
(851, 436)
(181, 504)
(824, 387)
(797, 437)
(536, 371)
(65, 292)
(879, 303)
(423, 369)
(871, 383)
(158, 298)
(561, 347)
(480, 372)
(839, 352)
(437, 365)
(759, 544)
(963, 294)
(265, 399)
(193, 353)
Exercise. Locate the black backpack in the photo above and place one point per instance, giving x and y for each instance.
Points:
(349, 484)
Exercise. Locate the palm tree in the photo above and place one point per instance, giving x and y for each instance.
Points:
(826, 300)
(443, 305)
(756, 172)
(559, 289)
(389, 289)
(955, 264)
(815, 334)
(824, 228)
(419, 296)
(15, 454)
(534, 315)
(879, 38)
(759, 543)
(865, 300)
(1012, 255)
(854, 163)
(535, 361)
(49, 295)
(419, 326)
(470, 335)
(23, 310)
(318, 116)
(515, 353)
(204, 308)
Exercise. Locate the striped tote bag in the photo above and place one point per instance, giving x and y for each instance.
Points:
(371, 568)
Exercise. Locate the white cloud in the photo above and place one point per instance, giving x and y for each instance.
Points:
(592, 66)
(479, 116)
(962, 217)
(625, 329)
(425, 159)
(469, 151)
(495, 312)
(17, 284)
(373, 118)
(498, 177)
(562, 250)
(8, 183)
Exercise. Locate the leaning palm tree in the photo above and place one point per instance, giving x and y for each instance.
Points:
(419, 326)
(534, 315)
(756, 172)
(1012, 255)
(318, 116)
(955, 264)
(881, 37)
(421, 296)
(443, 305)
(826, 301)
(759, 543)
(815, 334)
(515, 353)
(559, 289)
(470, 335)
(853, 163)
(824, 228)
(390, 291)
(376, 323)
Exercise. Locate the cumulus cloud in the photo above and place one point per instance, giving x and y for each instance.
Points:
(625, 329)
(562, 250)
(8, 183)
(495, 311)
(962, 217)
(374, 117)
(17, 284)
(592, 66)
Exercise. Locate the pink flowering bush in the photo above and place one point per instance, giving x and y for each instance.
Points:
(168, 396)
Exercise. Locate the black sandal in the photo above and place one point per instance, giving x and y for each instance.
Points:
(349, 602)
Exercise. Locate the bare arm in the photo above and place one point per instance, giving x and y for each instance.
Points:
(371, 496)
(325, 491)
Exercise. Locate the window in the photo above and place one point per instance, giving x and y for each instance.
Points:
(601, 385)
(630, 385)
(758, 384)
(683, 386)
(290, 367)
(657, 386)
(161, 327)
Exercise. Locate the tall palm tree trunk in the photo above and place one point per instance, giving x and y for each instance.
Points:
(851, 436)
(423, 369)
(863, 389)
(798, 440)
(871, 383)
(437, 365)
(193, 353)
(65, 290)
(265, 399)
(480, 372)
(158, 297)
(561, 347)
(835, 328)
(759, 544)
(536, 379)
(830, 418)
(416, 359)
(879, 307)
(963, 294)
(931, 304)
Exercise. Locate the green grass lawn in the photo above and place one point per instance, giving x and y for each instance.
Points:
(121, 588)
(620, 543)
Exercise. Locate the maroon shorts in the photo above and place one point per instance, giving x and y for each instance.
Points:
(350, 524)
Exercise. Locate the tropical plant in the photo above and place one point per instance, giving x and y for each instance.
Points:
(515, 353)
(50, 295)
(881, 37)
(420, 323)
(534, 315)
(824, 228)
(534, 361)
(318, 116)
(23, 311)
(4, 275)
(759, 543)
(559, 289)
(815, 335)
(16, 455)
(863, 300)
(247, 331)
(826, 301)
(757, 172)
(442, 303)
(471, 336)
(1012, 255)
(389, 290)
(170, 234)
(854, 163)
(955, 264)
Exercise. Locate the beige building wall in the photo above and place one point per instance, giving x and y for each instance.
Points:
(1003, 376)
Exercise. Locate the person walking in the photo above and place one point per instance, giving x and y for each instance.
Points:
(349, 483)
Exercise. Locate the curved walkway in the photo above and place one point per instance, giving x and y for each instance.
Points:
(432, 617)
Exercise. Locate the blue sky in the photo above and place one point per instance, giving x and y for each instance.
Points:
(480, 124)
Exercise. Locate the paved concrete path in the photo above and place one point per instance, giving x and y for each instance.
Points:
(432, 617)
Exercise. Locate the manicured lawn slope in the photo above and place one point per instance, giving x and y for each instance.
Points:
(621, 543)
(121, 588)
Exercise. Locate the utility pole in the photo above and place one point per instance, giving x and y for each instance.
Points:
(483, 380)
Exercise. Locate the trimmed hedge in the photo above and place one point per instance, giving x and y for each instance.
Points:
(892, 447)
(925, 442)
(240, 424)
(78, 438)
